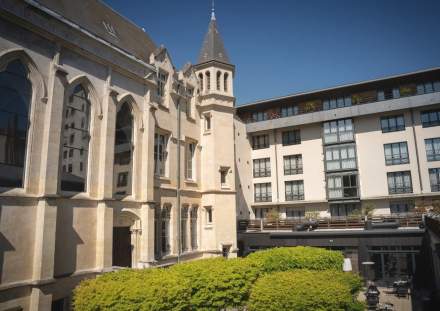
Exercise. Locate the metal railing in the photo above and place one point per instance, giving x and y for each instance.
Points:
(340, 222)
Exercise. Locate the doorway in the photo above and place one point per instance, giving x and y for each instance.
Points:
(122, 249)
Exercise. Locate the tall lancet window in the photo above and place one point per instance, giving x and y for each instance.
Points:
(225, 82)
(15, 96)
(75, 140)
(208, 81)
(219, 76)
(201, 82)
(123, 160)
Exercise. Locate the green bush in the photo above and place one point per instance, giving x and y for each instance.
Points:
(218, 283)
(300, 290)
(299, 257)
(152, 289)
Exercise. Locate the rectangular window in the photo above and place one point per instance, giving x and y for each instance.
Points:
(434, 179)
(70, 168)
(288, 111)
(263, 192)
(223, 177)
(161, 82)
(396, 153)
(260, 141)
(261, 212)
(294, 190)
(292, 137)
(262, 167)
(432, 147)
(340, 158)
(392, 123)
(430, 118)
(160, 154)
(258, 116)
(401, 207)
(293, 164)
(338, 131)
(428, 87)
(190, 160)
(343, 210)
(295, 213)
(122, 179)
(339, 102)
(209, 217)
(399, 182)
(70, 153)
(342, 186)
(207, 122)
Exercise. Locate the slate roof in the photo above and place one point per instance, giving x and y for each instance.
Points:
(101, 20)
(213, 48)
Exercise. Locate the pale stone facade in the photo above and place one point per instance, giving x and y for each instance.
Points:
(125, 186)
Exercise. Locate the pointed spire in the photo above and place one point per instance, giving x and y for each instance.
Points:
(213, 11)
(212, 47)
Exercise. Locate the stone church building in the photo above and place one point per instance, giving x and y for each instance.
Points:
(109, 155)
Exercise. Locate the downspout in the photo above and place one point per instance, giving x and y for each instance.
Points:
(179, 222)
(417, 149)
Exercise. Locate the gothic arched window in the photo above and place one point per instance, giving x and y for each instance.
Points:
(201, 81)
(208, 81)
(123, 160)
(219, 74)
(15, 96)
(75, 140)
(225, 82)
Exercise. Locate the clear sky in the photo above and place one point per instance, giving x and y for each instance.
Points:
(281, 47)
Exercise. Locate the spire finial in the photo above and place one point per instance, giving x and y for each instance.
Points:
(212, 11)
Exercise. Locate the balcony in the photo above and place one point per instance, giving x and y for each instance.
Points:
(361, 104)
(336, 223)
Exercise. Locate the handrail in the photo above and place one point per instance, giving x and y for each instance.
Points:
(339, 222)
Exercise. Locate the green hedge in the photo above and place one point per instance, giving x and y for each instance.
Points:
(300, 290)
(152, 289)
(209, 284)
(299, 257)
(218, 283)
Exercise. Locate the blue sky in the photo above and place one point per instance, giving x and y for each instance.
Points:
(281, 47)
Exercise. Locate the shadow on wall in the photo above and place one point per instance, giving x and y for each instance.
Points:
(5, 246)
(66, 243)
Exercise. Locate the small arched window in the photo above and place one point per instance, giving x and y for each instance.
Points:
(219, 74)
(15, 97)
(208, 81)
(76, 139)
(123, 159)
(225, 81)
(201, 81)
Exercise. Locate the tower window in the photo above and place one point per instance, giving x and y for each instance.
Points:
(201, 81)
(208, 80)
(218, 80)
(207, 122)
(225, 82)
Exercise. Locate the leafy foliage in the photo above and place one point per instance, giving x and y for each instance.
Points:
(209, 284)
(218, 283)
(299, 257)
(300, 290)
(153, 289)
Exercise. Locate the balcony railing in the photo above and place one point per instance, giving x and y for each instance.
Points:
(340, 222)
(356, 99)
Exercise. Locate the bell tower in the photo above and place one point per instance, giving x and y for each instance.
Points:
(215, 75)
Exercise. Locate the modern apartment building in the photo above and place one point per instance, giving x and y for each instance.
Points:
(311, 166)
(109, 155)
(332, 151)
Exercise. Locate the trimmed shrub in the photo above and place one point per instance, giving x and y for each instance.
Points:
(152, 289)
(300, 290)
(299, 257)
(218, 283)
